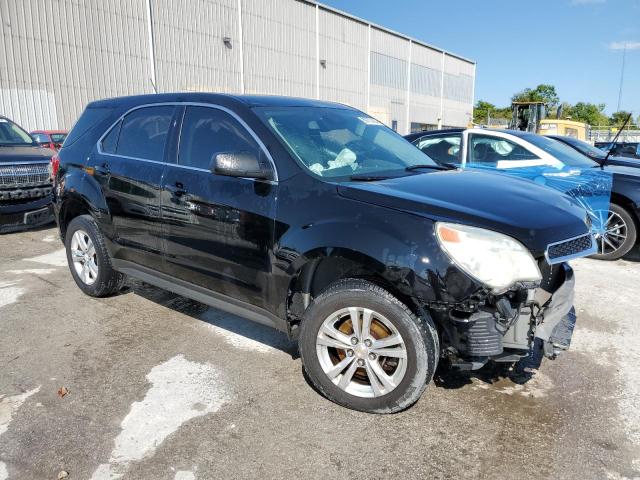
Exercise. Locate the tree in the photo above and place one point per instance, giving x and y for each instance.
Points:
(618, 118)
(542, 93)
(586, 112)
(482, 111)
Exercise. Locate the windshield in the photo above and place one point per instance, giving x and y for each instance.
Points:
(335, 142)
(584, 147)
(567, 155)
(11, 134)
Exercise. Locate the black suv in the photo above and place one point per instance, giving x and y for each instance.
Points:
(25, 179)
(314, 218)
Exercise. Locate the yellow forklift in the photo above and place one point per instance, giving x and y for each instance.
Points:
(531, 117)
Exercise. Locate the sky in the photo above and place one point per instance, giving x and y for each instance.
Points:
(575, 45)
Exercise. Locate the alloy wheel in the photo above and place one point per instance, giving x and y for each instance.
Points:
(361, 352)
(613, 234)
(83, 253)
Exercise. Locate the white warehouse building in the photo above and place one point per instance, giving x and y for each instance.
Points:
(61, 54)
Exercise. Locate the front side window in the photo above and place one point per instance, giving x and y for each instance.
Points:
(443, 149)
(207, 132)
(12, 134)
(338, 143)
(144, 133)
(497, 152)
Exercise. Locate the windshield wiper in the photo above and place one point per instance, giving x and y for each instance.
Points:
(443, 166)
(363, 177)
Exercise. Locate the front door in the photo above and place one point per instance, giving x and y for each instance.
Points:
(218, 230)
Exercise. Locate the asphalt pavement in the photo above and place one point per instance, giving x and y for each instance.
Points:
(150, 385)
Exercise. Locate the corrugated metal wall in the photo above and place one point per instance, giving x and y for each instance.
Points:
(61, 54)
(344, 46)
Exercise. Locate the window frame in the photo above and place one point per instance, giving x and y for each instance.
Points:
(180, 129)
(172, 135)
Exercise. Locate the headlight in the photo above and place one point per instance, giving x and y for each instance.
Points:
(490, 257)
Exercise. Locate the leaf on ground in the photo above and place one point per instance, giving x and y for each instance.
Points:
(62, 391)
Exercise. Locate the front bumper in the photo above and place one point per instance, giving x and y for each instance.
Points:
(546, 314)
(555, 321)
(18, 216)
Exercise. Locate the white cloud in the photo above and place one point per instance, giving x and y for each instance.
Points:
(621, 45)
(587, 2)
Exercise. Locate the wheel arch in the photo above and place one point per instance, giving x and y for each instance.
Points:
(323, 267)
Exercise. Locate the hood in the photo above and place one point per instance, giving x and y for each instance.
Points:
(25, 153)
(534, 215)
(623, 165)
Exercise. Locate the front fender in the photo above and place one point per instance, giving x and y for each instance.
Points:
(399, 247)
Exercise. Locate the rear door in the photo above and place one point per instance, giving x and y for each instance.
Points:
(130, 165)
(219, 230)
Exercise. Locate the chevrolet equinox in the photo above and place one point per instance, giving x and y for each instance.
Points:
(316, 219)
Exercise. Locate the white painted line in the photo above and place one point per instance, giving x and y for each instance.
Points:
(10, 405)
(242, 333)
(184, 475)
(180, 390)
(3, 471)
(9, 293)
(57, 258)
(33, 271)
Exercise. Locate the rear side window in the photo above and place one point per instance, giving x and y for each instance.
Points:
(144, 132)
(110, 142)
(209, 131)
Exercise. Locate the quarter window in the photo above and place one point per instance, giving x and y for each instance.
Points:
(110, 142)
(144, 133)
(209, 131)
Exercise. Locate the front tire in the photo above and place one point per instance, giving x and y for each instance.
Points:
(88, 259)
(619, 236)
(364, 349)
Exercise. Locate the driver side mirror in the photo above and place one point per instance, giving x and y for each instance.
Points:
(241, 164)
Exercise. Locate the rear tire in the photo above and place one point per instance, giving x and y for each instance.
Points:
(621, 234)
(89, 260)
(383, 365)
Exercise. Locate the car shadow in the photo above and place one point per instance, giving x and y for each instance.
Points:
(229, 323)
(633, 255)
(519, 373)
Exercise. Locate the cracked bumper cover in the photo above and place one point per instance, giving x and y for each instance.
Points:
(557, 317)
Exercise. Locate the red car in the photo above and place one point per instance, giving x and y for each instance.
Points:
(52, 139)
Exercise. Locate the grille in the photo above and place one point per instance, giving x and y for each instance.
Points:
(29, 175)
(571, 247)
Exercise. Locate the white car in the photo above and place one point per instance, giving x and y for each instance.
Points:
(551, 163)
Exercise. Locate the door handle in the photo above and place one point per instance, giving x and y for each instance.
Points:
(177, 189)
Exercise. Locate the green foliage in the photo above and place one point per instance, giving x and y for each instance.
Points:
(542, 93)
(586, 112)
(617, 119)
(482, 111)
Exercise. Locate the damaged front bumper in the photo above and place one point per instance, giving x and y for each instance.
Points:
(546, 313)
(556, 318)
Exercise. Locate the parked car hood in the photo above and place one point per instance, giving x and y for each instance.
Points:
(535, 215)
(25, 153)
(623, 162)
